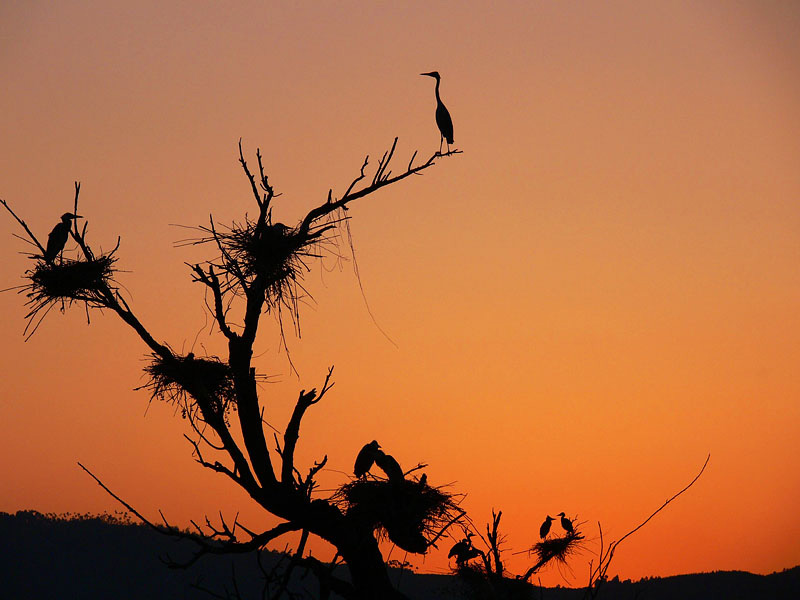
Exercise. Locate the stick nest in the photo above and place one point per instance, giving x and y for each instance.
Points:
(410, 513)
(67, 281)
(275, 252)
(71, 279)
(559, 549)
(191, 383)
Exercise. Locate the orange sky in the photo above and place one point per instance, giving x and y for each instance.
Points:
(602, 289)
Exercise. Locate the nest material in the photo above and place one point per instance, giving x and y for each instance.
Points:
(67, 281)
(559, 549)
(187, 381)
(410, 513)
(71, 279)
(275, 252)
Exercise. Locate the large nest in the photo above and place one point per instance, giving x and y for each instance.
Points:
(71, 279)
(411, 513)
(189, 382)
(275, 252)
(559, 549)
(68, 281)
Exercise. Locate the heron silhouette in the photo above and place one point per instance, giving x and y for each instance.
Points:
(545, 528)
(443, 120)
(57, 238)
(464, 550)
(390, 466)
(366, 458)
(566, 523)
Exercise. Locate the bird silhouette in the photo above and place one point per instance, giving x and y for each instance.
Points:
(443, 120)
(57, 238)
(545, 528)
(388, 464)
(366, 458)
(464, 550)
(566, 523)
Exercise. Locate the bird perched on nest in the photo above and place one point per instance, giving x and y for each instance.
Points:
(566, 523)
(366, 458)
(388, 464)
(58, 237)
(545, 528)
(443, 120)
(464, 550)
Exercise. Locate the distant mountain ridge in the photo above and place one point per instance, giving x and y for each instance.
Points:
(84, 557)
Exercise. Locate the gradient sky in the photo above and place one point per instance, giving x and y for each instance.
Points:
(602, 289)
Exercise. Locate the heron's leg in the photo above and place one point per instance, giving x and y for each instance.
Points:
(441, 141)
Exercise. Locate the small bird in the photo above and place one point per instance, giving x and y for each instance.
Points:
(566, 523)
(464, 550)
(58, 237)
(388, 464)
(545, 528)
(443, 120)
(424, 479)
(366, 458)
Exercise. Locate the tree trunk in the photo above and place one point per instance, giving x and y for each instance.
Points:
(368, 572)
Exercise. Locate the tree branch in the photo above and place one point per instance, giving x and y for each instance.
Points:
(292, 433)
(598, 575)
(380, 180)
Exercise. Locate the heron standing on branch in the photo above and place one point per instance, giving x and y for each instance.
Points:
(58, 237)
(443, 119)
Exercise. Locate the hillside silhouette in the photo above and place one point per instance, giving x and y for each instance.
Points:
(90, 557)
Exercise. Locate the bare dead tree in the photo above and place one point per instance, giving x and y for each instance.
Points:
(258, 270)
(598, 572)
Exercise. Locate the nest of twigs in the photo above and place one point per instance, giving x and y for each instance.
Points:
(189, 382)
(558, 549)
(67, 281)
(410, 513)
(71, 279)
(275, 252)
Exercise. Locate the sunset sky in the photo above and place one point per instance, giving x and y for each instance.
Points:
(601, 290)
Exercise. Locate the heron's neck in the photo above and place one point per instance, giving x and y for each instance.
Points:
(437, 91)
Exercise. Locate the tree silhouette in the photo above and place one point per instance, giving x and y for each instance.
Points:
(258, 270)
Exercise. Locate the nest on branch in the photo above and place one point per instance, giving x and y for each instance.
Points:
(559, 549)
(410, 513)
(68, 281)
(274, 252)
(190, 383)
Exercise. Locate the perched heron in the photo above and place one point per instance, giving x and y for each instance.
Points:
(443, 119)
(388, 464)
(464, 550)
(545, 528)
(366, 458)
(566, 523)
(58, 237)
